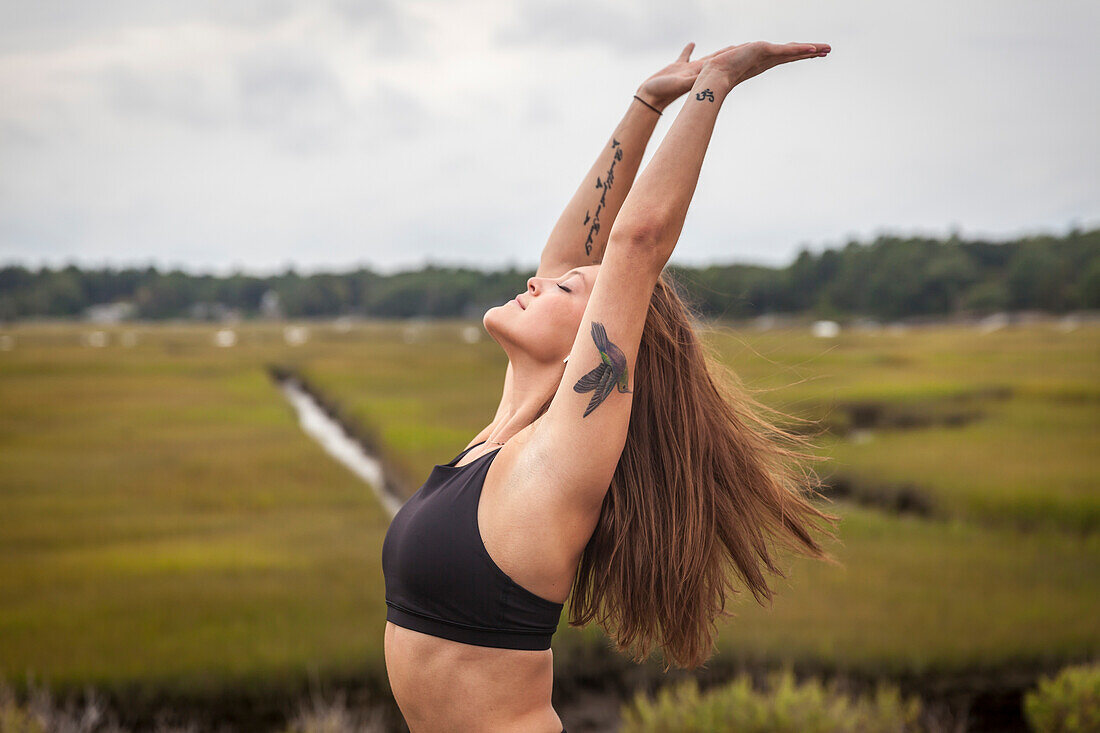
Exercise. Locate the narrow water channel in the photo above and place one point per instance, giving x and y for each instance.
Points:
(338, 443)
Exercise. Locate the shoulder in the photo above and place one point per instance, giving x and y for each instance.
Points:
(528, 470)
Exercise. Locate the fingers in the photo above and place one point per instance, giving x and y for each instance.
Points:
(780, 52)
(778, 59)
(786, 49)
(800, 57)
(686, 53)
(812, 48)
(783, 48)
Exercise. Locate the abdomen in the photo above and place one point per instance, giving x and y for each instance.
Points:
(441, 684)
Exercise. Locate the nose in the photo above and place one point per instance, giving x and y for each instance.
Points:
(531, 283)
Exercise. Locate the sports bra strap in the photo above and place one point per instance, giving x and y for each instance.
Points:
(458, 458)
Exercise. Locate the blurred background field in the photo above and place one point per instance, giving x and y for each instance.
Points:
(165, 526)
(212, 212)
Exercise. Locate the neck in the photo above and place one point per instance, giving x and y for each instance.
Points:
(533, 384)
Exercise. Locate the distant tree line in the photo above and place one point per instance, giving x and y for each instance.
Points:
(887, 278)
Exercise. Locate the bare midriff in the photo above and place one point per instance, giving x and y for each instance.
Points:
(444, 685)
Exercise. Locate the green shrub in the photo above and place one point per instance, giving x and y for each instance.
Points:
(785, 706)
(1066, 703)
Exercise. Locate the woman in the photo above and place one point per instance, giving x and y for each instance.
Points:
(615, 470)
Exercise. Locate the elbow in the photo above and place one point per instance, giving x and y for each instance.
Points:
(650, 230)
(653, 237)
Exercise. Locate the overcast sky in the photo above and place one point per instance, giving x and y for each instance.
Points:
(327, 135)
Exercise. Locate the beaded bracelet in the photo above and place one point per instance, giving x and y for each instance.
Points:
(647, 104)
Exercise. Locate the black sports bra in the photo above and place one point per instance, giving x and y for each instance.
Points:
(440, 579)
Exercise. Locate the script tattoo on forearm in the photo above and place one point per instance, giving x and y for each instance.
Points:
(705, 94)
(606, 184)
(608, 375)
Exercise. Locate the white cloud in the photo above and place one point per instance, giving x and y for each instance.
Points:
(620, 25)
(215, 135)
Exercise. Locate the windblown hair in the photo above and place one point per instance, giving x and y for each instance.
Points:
(703, 482)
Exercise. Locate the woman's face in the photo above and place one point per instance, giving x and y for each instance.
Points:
(542, 323)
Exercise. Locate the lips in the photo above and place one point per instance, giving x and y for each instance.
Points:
(520, 302)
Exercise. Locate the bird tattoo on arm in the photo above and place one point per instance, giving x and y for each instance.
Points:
(608, 374)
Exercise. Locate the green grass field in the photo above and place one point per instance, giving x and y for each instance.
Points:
(164, 521)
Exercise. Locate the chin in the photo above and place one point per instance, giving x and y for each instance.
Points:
(494, 321)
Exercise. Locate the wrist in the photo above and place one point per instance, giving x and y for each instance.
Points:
(650, 99)
(717, 81)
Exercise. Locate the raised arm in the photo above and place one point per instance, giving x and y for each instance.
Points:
(580, 439)
(657, 207)
(581, 233)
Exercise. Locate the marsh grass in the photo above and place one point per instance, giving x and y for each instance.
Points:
(164, 522)
(1004, 572)
(784, 706)
(90, 712)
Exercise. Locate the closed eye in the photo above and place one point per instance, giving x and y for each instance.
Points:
(564, 288)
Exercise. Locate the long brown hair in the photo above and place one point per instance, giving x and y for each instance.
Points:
(704, 480)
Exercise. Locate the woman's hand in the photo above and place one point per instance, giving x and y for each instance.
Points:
(666, 86)
(737, 63)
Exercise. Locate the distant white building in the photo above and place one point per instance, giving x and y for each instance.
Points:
(825, 329)
(296, 335)
(225, 338)
(269, 305)
(110, 312)
(994, 322)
